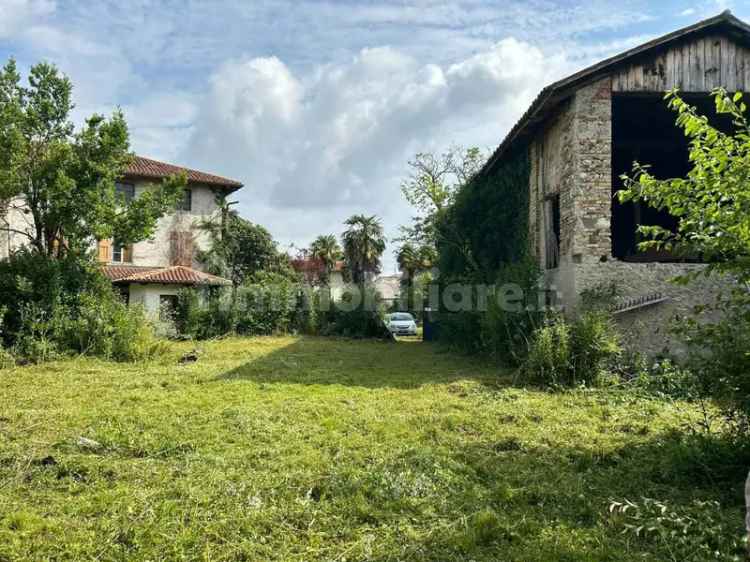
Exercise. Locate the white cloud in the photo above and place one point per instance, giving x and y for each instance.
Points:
(313, 150)
(16, 15)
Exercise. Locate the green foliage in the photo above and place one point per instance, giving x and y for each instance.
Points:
(268, 303)
(712, 203)
(697, 532)
(486, 227)
(355, 320)
(719, 356)
(666, 378)
(240, 248)
(326, 249)
(364, 244)
(65, 306)
(580, 352)
(65, 180)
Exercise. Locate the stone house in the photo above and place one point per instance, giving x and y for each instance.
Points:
(152, 272)
(584, 131)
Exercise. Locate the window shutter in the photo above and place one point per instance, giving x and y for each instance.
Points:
(182, 248)
(105, 251)
(127, 254)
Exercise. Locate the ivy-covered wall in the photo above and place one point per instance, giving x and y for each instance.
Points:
(487, 226)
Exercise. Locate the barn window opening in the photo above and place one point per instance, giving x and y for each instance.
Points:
(552, 231)
(644, 130)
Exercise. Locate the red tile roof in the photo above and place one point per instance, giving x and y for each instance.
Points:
(142, 167)
(173, 275)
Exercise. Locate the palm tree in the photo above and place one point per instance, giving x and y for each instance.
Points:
(364, 244)
(409, 262)
(326, 249)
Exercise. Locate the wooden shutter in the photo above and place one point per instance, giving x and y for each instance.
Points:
(182, 248)
(127, 254)
(105, 251)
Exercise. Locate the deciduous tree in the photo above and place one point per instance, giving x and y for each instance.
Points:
(62, 182)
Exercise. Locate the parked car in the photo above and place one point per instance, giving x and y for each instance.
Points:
(401, 324)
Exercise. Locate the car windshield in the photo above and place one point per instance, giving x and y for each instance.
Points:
(401, 317)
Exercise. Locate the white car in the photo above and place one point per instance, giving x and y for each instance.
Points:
(401, 324)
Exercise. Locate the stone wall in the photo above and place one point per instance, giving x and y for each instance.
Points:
(647, 329)
(572, 156)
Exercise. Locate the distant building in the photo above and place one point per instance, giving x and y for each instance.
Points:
(313, 272)
(389, 287)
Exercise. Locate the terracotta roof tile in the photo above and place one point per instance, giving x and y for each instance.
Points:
(173, 275)
(142, 167)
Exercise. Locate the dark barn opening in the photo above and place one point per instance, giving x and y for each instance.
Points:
(644, 130)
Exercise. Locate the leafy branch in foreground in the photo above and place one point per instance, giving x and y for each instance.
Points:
(712, 204)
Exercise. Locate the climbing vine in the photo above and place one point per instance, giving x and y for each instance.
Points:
(486, 228)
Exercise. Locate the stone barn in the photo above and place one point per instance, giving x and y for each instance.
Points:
(585, 130)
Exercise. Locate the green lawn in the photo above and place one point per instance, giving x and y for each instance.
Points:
(321, 449)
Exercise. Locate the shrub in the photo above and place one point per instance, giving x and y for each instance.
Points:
(502, 330)
(563, 353)
(666, 378)
(719, 355)
(67, 306)
(364, 320)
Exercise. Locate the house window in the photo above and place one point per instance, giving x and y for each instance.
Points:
(125, 190)
(122, 253)
(186, 203)
(552, 231)
(167, 307)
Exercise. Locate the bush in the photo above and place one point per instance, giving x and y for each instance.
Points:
(666, 378)
(719, 356)
(563, 353)
(345, 319)
(67, 306)
(501, 331)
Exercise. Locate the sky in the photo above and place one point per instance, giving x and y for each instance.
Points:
(317, 106)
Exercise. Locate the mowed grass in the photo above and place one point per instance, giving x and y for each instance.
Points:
(321, 449)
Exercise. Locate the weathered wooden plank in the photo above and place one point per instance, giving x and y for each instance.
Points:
(731, 66)
(669, 72)
(724, 62)
(697, 60)
(617, 82)
(677, 68)
(652, 74)
(686, 67)
(637, 77)
(746, 69)
(711, 71)
(740, 68)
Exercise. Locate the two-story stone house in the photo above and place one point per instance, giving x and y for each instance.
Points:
(152, 272)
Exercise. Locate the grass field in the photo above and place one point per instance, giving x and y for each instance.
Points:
(321, 449)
